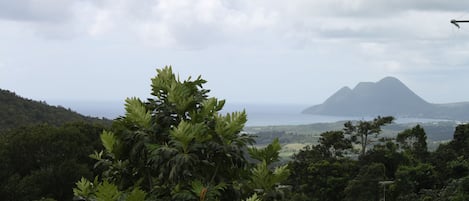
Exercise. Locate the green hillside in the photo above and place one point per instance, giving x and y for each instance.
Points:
(16, 111)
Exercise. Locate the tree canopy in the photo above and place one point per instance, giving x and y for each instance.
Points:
(178, 146)
(45, 161)
(403, 166)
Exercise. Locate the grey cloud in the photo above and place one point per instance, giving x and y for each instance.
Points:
(36, 11)
(383, 8)
(432, 5)
(369, 33)
(199, 24)
(295, 22)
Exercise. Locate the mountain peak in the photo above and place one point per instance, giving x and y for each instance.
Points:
(390, 79)
(388, 96)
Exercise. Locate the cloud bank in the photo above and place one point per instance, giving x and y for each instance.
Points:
(377, 37)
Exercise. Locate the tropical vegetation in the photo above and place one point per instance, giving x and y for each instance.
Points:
(179, 145)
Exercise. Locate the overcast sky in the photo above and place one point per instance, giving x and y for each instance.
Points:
(262, 51)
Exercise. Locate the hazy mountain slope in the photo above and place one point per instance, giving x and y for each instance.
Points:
(388, 96)
(16, 111)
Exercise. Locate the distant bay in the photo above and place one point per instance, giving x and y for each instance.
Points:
(258, 114)
(290, 114)
(279, 114)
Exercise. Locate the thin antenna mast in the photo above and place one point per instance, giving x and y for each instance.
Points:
(456, 22)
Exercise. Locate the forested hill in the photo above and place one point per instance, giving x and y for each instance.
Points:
(388, 96)
(17, 111)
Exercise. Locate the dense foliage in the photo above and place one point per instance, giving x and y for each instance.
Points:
(400, 169)
(16, 111)
(177, 146)
(45, 161)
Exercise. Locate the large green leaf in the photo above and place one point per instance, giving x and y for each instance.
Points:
(229, 126)
(162, 82)
(269, 154)
(107, 192)
(136, 195)
(109, 141)
(84, 188)
(137, 113)
(254, 198)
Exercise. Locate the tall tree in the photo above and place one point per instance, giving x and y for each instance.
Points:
(365, 186)
(414, 142)
(334, 143)
(321, 172)
(177, 145)
(413, 179)
(461, 140)
(361, 131)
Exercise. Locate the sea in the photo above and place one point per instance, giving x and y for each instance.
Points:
(258, 114)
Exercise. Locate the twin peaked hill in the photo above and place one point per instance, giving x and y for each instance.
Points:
(388, 96)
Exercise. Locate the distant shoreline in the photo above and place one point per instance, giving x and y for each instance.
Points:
(258, 114)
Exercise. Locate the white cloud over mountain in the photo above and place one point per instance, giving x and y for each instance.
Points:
(378, 37)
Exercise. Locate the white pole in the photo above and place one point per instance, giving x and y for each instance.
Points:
(384, 186)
